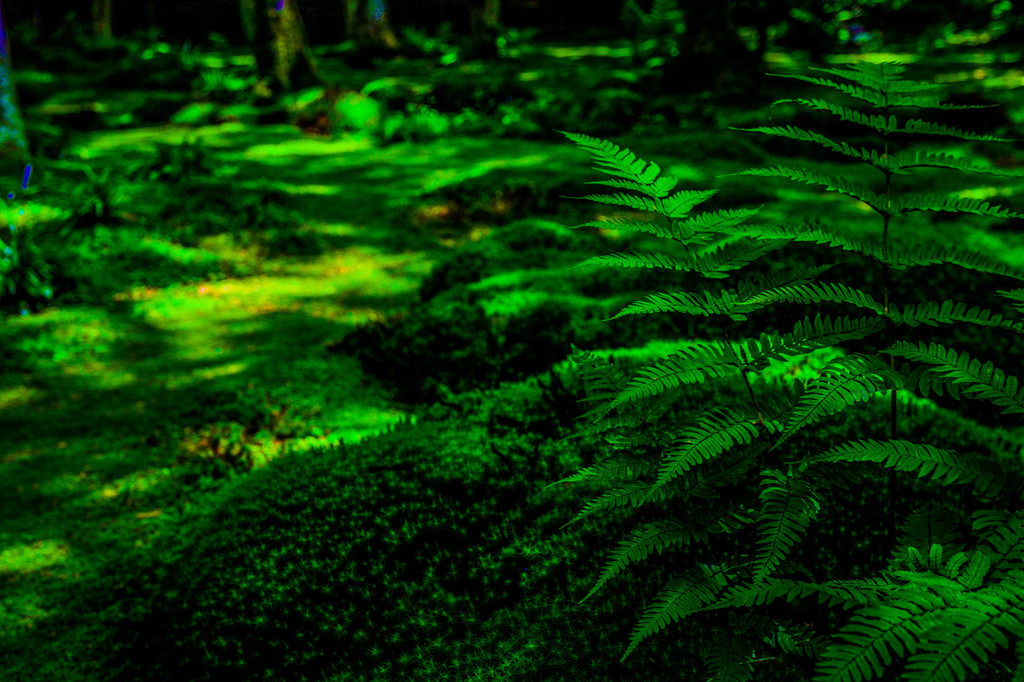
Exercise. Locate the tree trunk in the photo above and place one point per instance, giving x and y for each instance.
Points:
(151, 14)
(352, 17)
(101, 18)
(14, 149)
(247, 11)
(713, 56)
(485, 27)
(283, 59)
(369, 22)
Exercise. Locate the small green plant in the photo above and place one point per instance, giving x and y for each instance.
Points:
(656, 33)
(442, 46)
(25, 277)
(208, 207)
(758, 512)
(257, 433)
(224, 86)
(419, 123)
(177, 162)
(91, 197)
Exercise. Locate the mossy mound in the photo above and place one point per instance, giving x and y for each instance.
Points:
(527, 244)
(504, 309)
(456, 344)
(417, 553)
(330, 562)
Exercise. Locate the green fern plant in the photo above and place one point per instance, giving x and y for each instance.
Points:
(730, 478)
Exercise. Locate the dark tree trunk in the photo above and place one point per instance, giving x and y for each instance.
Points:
(14, 149)
(369, 22)
(713, 57)
(485, 27)
(247, 11)
(102, 11)
(283, 59)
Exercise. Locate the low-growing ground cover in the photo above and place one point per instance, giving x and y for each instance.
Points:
(416, 554)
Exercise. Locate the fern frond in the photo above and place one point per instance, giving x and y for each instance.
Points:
(726, 657)
(658, 189)
(658, 229)
(877, 76)
(788, 507)
(878, 86)
(925, 159)
(756, 354)
(869, 155)
(797, 642)
(600, 422)
(637, 174)
(684, 231)
(685, 302)
(601, 378)
(656, 538)
(957, 606)
(971, 573)
(967, 633)
(765, 592)
(1016, 295)
(946, 466)
(712, 220)
(822, 333)
(631, 494)
(883, 124)
(863, 94)
(927, 525)
(758, 289)
(921, 127)
(859, 592)
(873, 635)
(637, 259)
(637, 203)
(930, 254)
(686, 366)
(716, 431)
(683, 596)
(683, 201)
(675, 206)
(947, 312)
(843, 382)
(912, 201)
(835, 292)
(984, 381)
(631, 421)
(800, 233)
(734, 255)
(1002, 539)
(829, 182)
(613, 160)
(625, 466)
(635, 440)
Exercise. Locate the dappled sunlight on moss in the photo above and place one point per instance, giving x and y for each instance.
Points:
(33, 556)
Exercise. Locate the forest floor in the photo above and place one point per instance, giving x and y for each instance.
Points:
(92, 432)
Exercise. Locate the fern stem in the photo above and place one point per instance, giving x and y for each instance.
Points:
(894, 488)
(776, 461)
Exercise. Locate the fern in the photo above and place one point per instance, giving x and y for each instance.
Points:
(940, 611)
